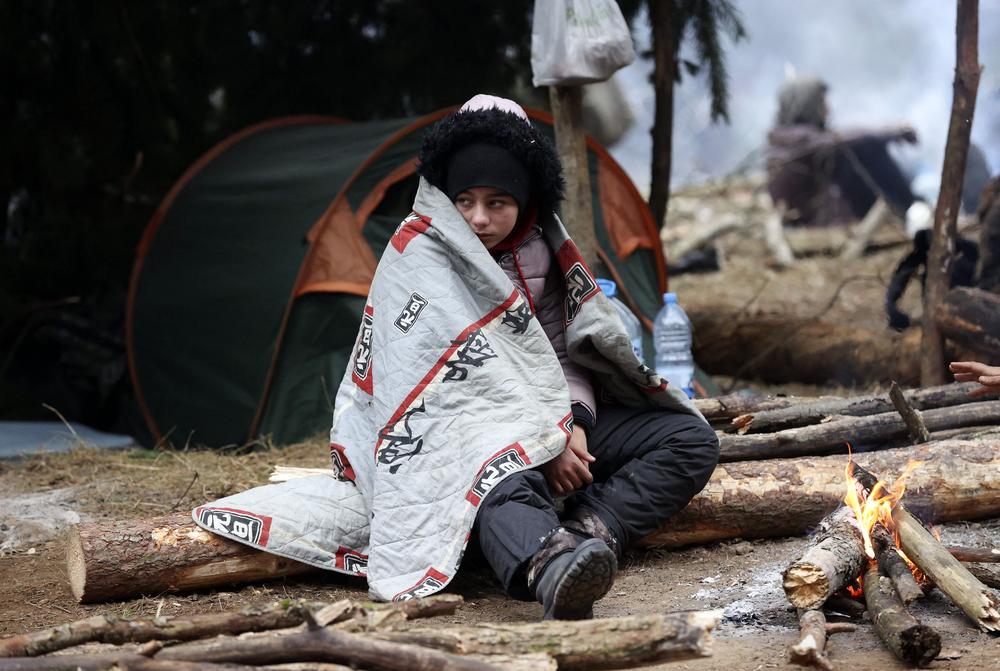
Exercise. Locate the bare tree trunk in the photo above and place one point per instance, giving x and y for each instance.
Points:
(578, 215)
(664, 74)
(933, 368)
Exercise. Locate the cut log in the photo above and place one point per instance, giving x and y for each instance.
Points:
(934, 560)
(833, 436)
(910, 415)
(321, 645)
(971, 317)
(893, 567)
(834, 560)
(811, 647)
(283, 614)
(958, 480)
(815, 411)
(118, 560)
(619, 642)
(910, 641)
(729, 342)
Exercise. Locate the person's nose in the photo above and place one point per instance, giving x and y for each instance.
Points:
(480, 217)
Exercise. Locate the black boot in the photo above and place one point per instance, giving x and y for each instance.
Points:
(570, 573)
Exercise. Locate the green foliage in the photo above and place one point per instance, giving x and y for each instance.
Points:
(704, 21)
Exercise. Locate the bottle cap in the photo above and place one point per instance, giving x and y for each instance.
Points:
(669, 297)
(609, 287)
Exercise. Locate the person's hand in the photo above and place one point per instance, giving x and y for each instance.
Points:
(973, 371)
(570, 470)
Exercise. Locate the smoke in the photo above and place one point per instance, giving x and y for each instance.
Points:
(887, 63)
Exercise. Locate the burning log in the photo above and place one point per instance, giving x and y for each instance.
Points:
(813, 632)
(959, 480)
(170, 553)
(834, 560)
(831, 436)
(910, 416)
(910, 641)
(947, 573)
(816, 410)
(893, 567)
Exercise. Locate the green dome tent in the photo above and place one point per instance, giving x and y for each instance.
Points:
(251, 277)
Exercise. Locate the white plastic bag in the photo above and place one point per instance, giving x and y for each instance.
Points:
(578, 41)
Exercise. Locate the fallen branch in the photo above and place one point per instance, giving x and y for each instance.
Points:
(910, 641)
(833, 436)
(910, 416)
(279, 615)
(835, 559)
(744, 401)
(321, 645)
(816, 410)
(811, 647)
(619, 642)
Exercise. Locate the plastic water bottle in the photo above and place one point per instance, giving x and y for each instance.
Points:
(672, 340)
(632, 324)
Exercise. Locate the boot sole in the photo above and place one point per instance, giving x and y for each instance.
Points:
(588, 577)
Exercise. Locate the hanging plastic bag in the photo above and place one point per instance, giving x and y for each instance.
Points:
(578, 41)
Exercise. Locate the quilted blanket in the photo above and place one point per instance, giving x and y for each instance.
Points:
(453, 386)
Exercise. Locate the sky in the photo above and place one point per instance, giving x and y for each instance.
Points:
(887, 62)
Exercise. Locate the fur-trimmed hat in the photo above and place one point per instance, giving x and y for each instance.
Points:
(500, 122)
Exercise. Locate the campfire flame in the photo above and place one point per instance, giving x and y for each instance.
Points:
(877, 505)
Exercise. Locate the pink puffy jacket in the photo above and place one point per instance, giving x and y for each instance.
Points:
(529, 266)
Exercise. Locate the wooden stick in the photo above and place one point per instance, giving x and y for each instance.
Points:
(811, 647)
(744, 401)
(947, 573)
(911, 417)
(892, 566)
(977, 555)
(910, 641)
(619, 642)
(814, 411)
(322, 645)
(279, 615)
(834, 560)
(833, 436)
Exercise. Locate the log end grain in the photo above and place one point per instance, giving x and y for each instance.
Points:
(806, 585)
(76, 564)
(920, 645)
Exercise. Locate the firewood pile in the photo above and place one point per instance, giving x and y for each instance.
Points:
(869, 554)
(351, 635)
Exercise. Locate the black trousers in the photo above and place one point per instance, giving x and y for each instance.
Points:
(650, 463)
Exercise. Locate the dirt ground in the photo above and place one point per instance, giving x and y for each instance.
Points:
(41, 495)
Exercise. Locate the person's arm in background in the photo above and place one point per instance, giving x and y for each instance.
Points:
(973, 371)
